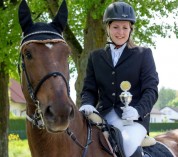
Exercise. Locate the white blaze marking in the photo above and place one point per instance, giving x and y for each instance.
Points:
(49, 45)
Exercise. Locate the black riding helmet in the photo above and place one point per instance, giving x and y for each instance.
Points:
(120, 11)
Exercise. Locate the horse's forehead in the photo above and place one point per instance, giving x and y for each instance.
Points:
(48, 43)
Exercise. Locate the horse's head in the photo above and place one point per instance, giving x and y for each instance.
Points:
(45, 75)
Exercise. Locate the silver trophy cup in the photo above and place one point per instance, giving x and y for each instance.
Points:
(126, 98)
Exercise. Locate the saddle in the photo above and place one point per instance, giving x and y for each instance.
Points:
(112, 135)
(151, 147)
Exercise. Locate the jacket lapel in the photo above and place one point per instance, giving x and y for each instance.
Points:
(126, 53)
(106, 55)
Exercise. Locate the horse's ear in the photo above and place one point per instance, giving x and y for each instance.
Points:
(25, 19)
(60, 19)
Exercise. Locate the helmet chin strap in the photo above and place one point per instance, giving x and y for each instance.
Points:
(116, 46)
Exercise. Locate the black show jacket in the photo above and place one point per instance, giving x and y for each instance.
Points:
(102, 82)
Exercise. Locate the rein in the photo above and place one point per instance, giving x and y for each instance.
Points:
(89, 137)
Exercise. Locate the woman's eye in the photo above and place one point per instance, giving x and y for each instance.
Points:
(28, 55)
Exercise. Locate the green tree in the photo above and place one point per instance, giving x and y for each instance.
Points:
(173, 103)
(8, 58)
(165, 97)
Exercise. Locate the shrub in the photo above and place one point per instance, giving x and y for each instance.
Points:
(13, 137)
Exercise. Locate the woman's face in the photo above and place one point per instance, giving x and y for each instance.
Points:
(119, 31)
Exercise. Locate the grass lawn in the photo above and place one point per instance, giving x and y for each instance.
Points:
(153, 134)
(19, 148)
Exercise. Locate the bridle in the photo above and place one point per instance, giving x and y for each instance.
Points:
(37, 118)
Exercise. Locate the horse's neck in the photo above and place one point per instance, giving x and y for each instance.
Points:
(30, 109)
(78, 125)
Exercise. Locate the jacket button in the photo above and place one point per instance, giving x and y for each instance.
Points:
(113, 83)
(113, 94)
(113, 72)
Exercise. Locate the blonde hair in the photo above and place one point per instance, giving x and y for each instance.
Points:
(131, 43)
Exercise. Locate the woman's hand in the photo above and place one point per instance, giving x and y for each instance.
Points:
(88, 109)
(130, 113)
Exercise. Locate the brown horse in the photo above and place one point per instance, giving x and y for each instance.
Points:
(55, 127)
(170, 139)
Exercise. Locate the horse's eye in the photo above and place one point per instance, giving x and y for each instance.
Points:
(28, 55)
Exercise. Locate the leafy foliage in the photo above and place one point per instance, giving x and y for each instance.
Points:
(19, 148)
(166, 96)
(12, 137)
(9, 38)
(173, 103)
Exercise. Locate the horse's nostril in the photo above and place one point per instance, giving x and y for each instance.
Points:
(49, 112)
(72, 113)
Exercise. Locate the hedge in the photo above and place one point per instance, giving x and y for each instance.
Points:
(18, 126)
(163, 126)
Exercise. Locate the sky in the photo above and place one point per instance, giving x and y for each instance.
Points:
(166, 59)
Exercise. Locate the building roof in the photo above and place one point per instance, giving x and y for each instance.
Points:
(173, 108)
(16, 94)
(156, 111)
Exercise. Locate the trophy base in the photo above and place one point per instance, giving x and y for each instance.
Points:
(128, 122)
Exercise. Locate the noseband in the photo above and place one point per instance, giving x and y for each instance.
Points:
(37, 117)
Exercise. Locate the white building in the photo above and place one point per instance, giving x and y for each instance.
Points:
(170, 114)
(156, 116)
(17, 100)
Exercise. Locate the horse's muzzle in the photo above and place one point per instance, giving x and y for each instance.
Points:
(57, 120)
